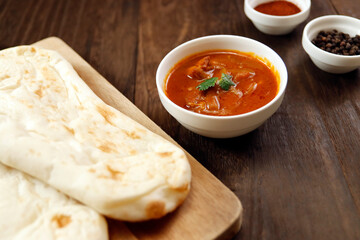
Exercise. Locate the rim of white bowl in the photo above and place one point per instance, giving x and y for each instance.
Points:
(262, 17)
(159, 82)
(312, 50)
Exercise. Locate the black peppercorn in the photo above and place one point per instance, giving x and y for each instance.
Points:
(337, 42)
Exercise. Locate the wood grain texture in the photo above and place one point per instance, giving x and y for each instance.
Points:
(298, 175)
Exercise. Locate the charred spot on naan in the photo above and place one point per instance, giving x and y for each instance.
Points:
(61, 220)
(132, 152)
(111, 173)
(34, 152)
(75, 88)
(182, 188)
(114, 173)
(106, 113)
(53, 81)
(26, 103)
(21, 50)
(132, 134)
(165, 154)
(107, 147)
(155, 209)
(39, 92)
(110, 147)
(140, 130)
(5, 76)
(48, 74)
(70, 130)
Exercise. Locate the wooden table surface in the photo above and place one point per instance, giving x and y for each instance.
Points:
(298, 175)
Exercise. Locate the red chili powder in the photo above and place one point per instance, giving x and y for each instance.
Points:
(278, 8)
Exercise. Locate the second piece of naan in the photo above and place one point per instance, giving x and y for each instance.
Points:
(31, 210)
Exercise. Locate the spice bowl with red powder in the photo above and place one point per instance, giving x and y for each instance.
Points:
(333, 43)
(278, 17)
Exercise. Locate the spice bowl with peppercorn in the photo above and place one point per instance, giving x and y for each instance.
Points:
(277, 17)
(333, 43)
(205, 82)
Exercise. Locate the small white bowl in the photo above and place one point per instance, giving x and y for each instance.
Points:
(326, 61)
(221, 126)
(276, 25)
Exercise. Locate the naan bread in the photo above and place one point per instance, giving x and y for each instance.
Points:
(53, 127)
(31, 210)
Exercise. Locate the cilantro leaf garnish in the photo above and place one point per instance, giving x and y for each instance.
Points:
(226, 81)
(207, 83)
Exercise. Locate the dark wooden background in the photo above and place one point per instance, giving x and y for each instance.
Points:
(298, 175)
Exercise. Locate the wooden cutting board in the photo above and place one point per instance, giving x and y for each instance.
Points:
(211, 211)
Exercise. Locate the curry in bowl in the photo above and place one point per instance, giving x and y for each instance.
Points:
(222, 83)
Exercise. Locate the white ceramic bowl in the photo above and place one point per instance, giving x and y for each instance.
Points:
(276, 25)
(221, 126)
(326, 61)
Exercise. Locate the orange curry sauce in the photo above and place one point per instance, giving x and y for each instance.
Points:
(255, 83)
